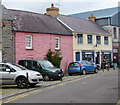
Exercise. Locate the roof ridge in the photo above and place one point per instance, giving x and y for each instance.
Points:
(25, 11)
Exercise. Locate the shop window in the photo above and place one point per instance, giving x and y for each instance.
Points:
(89, 37)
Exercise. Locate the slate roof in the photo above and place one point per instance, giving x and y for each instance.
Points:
(82, 25)
(25, 21)
(98, 13)
(38, 23)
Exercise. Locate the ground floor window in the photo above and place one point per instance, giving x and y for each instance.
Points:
(89, 56)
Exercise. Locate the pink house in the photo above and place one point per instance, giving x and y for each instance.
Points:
(35, 34)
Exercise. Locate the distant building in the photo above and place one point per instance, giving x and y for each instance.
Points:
(0, 32)
(109, 20)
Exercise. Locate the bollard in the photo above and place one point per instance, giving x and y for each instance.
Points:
(27, 80)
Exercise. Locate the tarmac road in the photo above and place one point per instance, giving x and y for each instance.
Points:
(98, 88)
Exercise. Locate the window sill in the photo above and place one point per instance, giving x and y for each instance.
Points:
(56, 49)
(29, 49)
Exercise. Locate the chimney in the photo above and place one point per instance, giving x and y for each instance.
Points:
(92, 18)
(53, 11)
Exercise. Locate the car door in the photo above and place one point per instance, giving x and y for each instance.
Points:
(7, 75)
(88, 66)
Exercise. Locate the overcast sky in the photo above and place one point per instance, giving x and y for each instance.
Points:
(65, 6)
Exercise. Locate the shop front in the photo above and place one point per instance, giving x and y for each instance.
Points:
(107, 56)
(88, 55)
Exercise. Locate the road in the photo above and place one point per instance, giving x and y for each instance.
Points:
(95, 88)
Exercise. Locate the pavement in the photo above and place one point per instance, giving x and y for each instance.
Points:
(12, 90)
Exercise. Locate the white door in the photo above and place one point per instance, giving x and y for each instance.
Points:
(0, 56)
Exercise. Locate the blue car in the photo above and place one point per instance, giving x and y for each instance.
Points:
(81, 67)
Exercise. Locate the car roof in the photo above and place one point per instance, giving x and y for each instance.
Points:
(80, 61)
(33, 60)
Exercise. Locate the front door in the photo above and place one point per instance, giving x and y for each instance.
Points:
(77, 54)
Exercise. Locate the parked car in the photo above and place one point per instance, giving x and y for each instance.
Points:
(16, 74)
(45, 67)
(81, 67)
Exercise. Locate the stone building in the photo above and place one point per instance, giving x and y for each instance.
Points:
(6, 36)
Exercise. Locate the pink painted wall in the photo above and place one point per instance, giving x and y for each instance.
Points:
(41, 44)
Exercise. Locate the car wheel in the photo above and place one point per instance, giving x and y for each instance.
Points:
(84, 72)
(46, 77)
(70, 74)
(21, 82)
(96, 70)
(32, 84)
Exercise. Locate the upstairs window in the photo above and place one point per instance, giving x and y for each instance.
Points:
(79, 38)
(89, 37)
(115, 33)
(57, 43)
(98, 40)
(106, 40)
(28, 41)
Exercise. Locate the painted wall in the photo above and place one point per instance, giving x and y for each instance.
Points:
(91, 47)
(41, 44)
(86, 46)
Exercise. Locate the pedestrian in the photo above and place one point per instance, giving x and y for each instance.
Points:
(114, 63)
(103, 65)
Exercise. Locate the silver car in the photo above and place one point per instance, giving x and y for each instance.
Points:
(16, 74)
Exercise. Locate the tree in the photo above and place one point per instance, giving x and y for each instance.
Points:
(54, 57)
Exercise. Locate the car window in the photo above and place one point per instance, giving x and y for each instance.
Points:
(73, 63)
(89, 63)
(36, 65)
(47, 64)
(3, 67)
(83, 62)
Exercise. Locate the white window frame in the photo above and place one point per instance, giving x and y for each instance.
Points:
(57, 43)
(28, 43)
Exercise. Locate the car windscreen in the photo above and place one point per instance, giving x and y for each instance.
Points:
(17, 67)
(73, 63)
(47, 64)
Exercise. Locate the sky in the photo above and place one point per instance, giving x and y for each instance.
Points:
(65, 6)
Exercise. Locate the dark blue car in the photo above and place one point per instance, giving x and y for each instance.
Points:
(81, 67)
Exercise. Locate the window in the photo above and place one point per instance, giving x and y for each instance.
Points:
(28, 41)
(89, 37)
(115, 50)
(79, 38)
(98, 40)
(105, 40)
(115, 33)
(57, 43)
